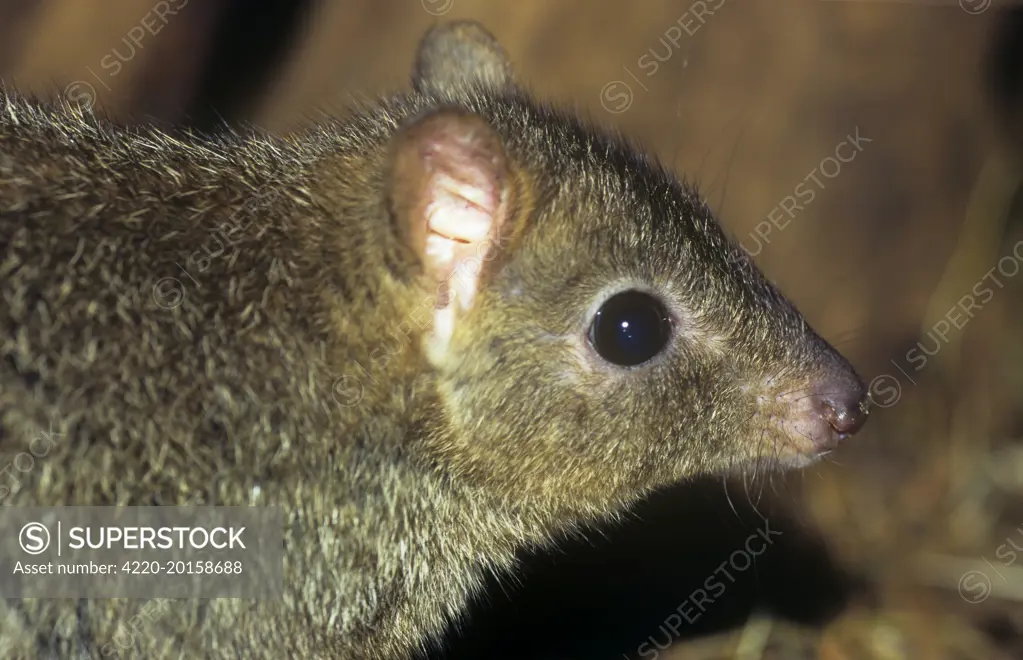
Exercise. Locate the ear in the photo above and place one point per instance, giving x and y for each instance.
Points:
(457, 57)
(450, 192)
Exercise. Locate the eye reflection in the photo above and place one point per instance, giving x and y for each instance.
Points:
(630, 328)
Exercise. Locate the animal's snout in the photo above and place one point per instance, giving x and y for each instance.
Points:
(823, 413)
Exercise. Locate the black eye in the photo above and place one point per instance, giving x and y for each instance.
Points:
(630, 328)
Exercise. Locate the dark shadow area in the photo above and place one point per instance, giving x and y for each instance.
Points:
(682, 550)
(1004, 71)
(250, 44)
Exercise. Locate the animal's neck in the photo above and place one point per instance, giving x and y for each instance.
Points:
(446, 536)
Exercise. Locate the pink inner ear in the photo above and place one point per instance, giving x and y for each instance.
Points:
(450, 188)
(460, 210)
(464, 205)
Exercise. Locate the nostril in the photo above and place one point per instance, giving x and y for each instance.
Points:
(845, 414)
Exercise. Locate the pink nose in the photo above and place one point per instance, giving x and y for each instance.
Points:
(839, 404)
(845, 413)
(827, 410)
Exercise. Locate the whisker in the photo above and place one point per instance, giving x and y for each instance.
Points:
(728, 496)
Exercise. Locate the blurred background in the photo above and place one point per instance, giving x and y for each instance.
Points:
(904, 120)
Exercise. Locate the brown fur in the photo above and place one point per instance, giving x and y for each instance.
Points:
(293, 371)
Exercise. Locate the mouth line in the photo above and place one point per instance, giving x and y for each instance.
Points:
(791, 452)
(785, 455)
(809, 438)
